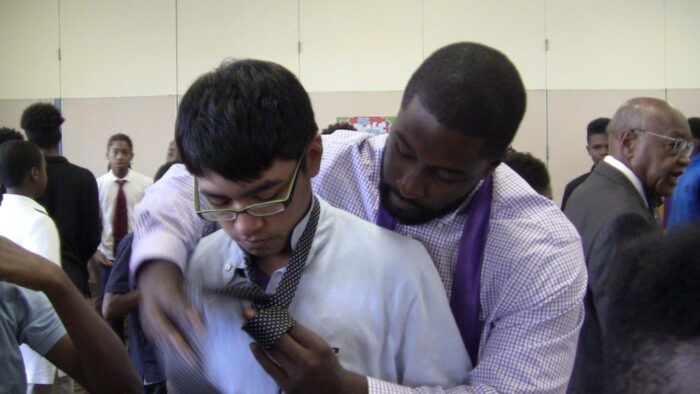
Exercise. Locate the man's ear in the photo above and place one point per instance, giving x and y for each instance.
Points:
(627, 140)
(314, 152)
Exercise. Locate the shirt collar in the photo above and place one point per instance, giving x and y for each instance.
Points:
(17, 200)
(627, 172)
(113, 177)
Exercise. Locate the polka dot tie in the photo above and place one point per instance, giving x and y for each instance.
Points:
(271, 321)
(272, 318)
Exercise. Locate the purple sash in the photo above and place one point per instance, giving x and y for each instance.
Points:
(466, 282)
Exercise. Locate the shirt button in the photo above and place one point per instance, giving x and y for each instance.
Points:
(227, 267)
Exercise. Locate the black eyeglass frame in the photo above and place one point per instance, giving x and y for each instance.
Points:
(254, 209)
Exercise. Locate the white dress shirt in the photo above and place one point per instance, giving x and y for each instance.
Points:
(371, 293)
(26, 223)
(108, 188)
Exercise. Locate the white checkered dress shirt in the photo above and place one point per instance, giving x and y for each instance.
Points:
(533, 277)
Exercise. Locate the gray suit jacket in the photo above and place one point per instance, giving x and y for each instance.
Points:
(608, 212)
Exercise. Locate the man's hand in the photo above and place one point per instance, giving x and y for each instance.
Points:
(164, 310)
(26, 269)
(302, 362)
(102, 260)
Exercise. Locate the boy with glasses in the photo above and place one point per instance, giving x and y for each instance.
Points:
(246, 131)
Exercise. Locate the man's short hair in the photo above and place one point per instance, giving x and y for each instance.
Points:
(8, 134)
(17, 158)
(238, 119)
(654, 314)
(529, 168)
(597, 126)
(42, 123)
(694, 127)
(474, 89)
(338, 126)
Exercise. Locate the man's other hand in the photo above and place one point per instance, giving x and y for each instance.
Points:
(302, 362)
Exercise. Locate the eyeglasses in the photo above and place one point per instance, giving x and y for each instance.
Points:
(262, 209)
(679, 147)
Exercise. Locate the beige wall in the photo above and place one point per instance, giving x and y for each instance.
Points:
(123, 63)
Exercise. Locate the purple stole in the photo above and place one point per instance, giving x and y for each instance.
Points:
(466, 282)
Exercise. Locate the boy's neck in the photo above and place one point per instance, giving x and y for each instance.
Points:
(120, 173)
(22, 191)
(268, 265)
(51, 152)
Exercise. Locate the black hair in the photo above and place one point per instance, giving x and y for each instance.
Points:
(42, 123)
(338, 126)
(597, 126)
(238, 119)
(472, 88)
(120, 137)
(17, 158)
(530, 168)
(8, 134)
(694, 124)
(163, 169)
(654, 311)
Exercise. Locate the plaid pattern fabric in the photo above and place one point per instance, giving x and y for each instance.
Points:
(533, 276)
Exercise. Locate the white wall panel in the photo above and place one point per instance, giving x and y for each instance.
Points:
(211, 31)
(514, 27)
(29, 45)
(359, 45)
(118, 48)
(605, 44)
(682, 44)
(149, 121)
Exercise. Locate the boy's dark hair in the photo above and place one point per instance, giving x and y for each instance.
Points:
(338, 126)
(654, 315)
(42, 123)
(472, 88)
(8, 134)
(17, 158)
(529, 168)
(163, 169)
(120, 137)
(597, 126)
(238, 119)
(694, 124)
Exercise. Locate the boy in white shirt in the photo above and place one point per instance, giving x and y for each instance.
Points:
(24, 221)
(120, 189)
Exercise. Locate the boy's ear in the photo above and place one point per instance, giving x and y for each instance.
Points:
(314, 152)
(34, 174)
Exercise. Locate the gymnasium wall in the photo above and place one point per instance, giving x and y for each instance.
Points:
(119, 66)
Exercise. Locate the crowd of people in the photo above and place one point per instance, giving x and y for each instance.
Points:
(270, 257)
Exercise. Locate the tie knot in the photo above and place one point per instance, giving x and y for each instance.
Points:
(121, 182)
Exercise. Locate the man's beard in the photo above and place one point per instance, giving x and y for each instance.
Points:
(420, 214)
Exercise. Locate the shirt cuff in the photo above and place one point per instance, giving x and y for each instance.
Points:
(377, 386)
(158, 246)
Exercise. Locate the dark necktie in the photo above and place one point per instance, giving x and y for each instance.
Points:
(271, 320)
(120, 220)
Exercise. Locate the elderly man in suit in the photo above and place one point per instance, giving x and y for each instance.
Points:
(649, 146)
